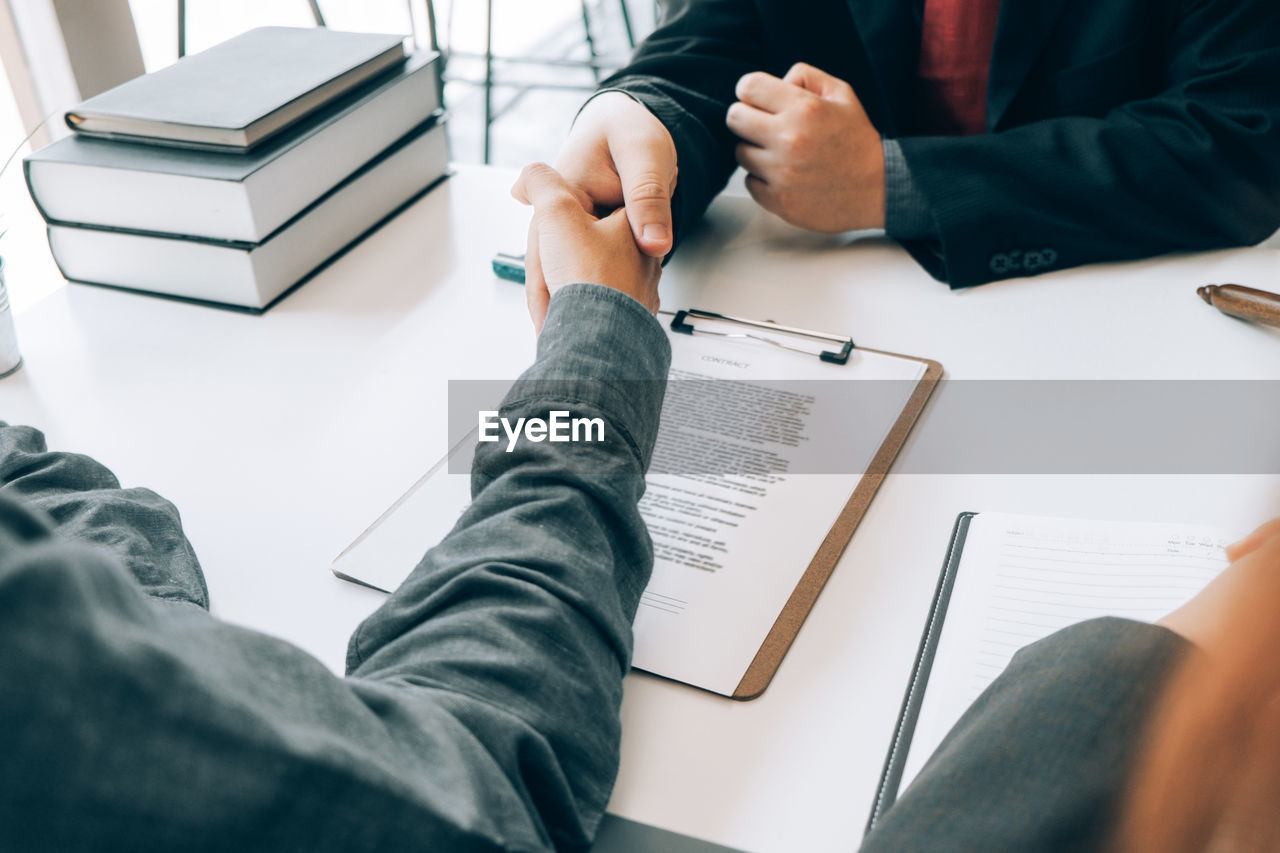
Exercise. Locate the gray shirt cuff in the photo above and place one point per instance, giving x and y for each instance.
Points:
(601, 348)
(906, 210)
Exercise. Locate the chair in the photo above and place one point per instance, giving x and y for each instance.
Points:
(595, 62)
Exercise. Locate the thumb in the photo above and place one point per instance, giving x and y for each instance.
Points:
(819, 82)
(647, 170)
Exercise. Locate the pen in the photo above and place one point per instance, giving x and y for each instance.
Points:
(1246, 303)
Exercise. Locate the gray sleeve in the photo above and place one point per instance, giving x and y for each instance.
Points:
(906, 210)
(481, 711)
(1040, 760)
(85, 503)
(518, 624)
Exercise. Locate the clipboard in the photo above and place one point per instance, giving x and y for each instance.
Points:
(833, 349)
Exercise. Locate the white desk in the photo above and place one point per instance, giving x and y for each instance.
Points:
(281, 437)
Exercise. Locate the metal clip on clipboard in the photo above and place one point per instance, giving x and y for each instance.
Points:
(681, 323)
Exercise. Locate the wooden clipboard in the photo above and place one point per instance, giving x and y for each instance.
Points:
(787, 625)
(785, 628)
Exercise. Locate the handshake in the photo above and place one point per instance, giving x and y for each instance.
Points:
(603, 215)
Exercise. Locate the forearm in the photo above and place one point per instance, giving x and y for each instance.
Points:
(1074, 191)
(1193, 164)
(519, 621)
(1046, 746)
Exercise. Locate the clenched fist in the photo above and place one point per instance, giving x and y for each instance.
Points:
(812, 155)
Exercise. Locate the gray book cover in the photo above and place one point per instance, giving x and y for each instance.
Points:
(217, 165)
(266, 73)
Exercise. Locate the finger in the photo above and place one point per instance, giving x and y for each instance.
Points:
(1253, 541)
(583, 197)
(647, 168)
(753, 125)
(766, 92)
(763, 194)
(595, 183)
(545, 189)
(535, 285)
(757, 161)
(819, 82)
(615, 227)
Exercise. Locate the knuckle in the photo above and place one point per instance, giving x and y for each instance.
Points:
(562, 204)
(535, 170)
(648, 187)
(566, 206)
(809, 109)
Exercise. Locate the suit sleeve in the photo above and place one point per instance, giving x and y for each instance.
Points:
(1195, 167)
(685, 73)
(1041, 758)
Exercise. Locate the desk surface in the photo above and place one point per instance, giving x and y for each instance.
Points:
(281, 437)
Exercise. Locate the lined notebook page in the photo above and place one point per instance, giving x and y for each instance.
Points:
(1022, 578)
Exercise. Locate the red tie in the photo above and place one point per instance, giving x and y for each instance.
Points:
(955, 61)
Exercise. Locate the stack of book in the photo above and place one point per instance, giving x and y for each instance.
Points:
(235, 174)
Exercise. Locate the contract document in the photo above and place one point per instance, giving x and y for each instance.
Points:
(760, 449)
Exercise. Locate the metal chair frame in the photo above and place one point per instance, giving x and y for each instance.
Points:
(595, 62)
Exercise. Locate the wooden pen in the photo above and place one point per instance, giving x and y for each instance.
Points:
(1247, 303)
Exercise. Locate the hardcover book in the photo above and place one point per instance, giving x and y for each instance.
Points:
(252, 276)
(240, 93)
(220, 196)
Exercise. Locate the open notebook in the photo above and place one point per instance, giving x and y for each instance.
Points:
(1010, 580)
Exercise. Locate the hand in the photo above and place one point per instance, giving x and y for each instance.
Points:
(812, 155)
(567, 245)
(618, 153)
(1205, 619)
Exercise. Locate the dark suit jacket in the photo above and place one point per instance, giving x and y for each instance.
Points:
(1117, 128)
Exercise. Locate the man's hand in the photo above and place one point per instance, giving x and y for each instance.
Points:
(618, 153)
(1206, 619)
(569, 245)
(812, 155)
